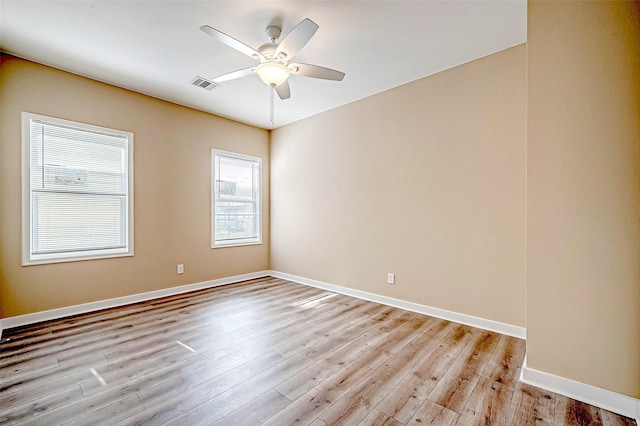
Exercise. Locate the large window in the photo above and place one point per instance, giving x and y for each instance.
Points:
(77, 191)
(235, 198)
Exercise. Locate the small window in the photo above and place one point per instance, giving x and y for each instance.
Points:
(236, 199)
(77, 191)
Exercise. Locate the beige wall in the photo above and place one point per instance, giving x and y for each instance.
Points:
(426, 180)
(172, 173)
(583, 290)
(432, 180)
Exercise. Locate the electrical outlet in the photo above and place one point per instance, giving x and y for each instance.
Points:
(391, 278)
(181, 269)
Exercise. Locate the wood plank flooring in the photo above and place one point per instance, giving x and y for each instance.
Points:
(271, 352)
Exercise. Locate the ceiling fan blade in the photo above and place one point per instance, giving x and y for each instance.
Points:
(230, 41)
(297, 38)
(234, 74)
(284, 91)
(316, 71)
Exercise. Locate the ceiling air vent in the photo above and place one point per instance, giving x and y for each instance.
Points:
(204, 83)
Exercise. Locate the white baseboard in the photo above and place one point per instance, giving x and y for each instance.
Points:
(485, 324)
(612, 401)
(617, 403)
(20, 320)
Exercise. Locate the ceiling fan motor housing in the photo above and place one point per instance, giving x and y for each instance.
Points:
(268, 49)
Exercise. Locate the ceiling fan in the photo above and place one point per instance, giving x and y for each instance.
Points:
(274, 67)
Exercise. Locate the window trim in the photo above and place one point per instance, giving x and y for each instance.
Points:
(236, 242)
(73, 256)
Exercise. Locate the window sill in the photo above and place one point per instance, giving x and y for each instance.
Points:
(236, 244)
(76, 258)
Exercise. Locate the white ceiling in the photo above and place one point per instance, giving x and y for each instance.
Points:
(156, 48)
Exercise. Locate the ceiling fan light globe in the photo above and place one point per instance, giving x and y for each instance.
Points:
(273, 73)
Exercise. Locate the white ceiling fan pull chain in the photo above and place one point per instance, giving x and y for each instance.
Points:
(271, 90)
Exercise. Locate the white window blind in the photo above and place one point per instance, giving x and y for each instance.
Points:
(236, 199)
(79, 191)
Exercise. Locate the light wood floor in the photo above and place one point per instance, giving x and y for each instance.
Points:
(271, 352)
